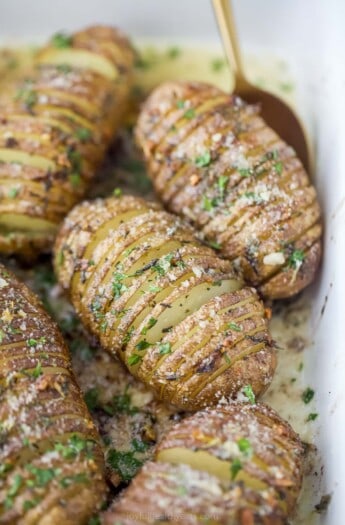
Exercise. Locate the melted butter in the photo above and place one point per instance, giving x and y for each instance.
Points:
(290, 322)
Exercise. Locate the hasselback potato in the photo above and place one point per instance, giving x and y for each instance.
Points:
(237, 464)
(213, 160)
(55, 126)
(176, 314)
(51, 462)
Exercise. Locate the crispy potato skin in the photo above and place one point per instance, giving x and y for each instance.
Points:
(213, 160)
(183, 493)
(62, 118)
(50, 450)
(175, 314)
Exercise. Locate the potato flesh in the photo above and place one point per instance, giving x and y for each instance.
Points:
(186, 305)
(236, 181)
(14, 222)
(150, 283)
(45, 117)
(79, 59)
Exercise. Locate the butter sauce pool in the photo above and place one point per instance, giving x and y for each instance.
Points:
(290, 394)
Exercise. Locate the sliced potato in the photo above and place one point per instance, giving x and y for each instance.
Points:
(56, 126)
(230, 175)
(236, 464)
(142, 283)
(50, 449)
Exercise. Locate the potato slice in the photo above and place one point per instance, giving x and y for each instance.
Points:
(144, 292)
(79, 58)
(50, 447)
(223, 466)
(58, 122)
(231, 176)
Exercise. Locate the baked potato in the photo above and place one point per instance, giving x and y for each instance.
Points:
(175, 314)
(214, 160)
(51, 461)
(54, 129)
(236, 464)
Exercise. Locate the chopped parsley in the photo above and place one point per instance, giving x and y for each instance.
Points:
(74, 446)
(117, 192)
(34, 342)
(134, 359)
(41, 476)
(121, 403)
(189, 114)
(180, 104)
(142, 345)
(91, 398)
(215, 245)
(235, 327)
(83, 134)
(125, 463)
(13, 192)
(308, 395)
(245, 172)
(296, 259)
(163, 265)
(217, 64)
(61, 40)
(173, 52)
(118, 286)
(222, 184)
(164, 348)
(245, 447)
(204, 160)
(248, 392)
(154, 289)
(128, 335)
(235, 468)
(13, 490)
(278, 167)
(74, 179)
(209, 204)
(27, 96)
(31, 503)
(312, 416)
(37, 370)
(151, 322)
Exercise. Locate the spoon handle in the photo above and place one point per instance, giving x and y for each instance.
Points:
(227, 28)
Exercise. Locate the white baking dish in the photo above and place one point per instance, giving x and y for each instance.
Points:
(309, 36)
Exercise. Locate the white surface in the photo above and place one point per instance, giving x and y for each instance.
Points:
(310, 35)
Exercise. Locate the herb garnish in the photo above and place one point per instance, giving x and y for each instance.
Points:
(308, 395)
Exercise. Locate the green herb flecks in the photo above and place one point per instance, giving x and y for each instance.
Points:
(151, 322)
(245, 447)
(235, 468)
(204, 160)
(248, 392)
(235, 327)
(61, 40)
(296, 259)
(83, 134)
(164, 348)
(308, 395)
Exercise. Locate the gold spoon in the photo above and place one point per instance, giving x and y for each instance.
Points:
(276, 113)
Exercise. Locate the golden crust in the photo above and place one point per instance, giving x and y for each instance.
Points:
(55, 128)
(50, 448)
(214, 161)
(235, 464)
(175, 314)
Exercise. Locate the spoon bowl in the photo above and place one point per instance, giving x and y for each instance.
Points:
(277, 113)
